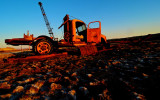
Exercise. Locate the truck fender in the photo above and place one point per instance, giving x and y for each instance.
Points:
(104, 41)
(44, 37)
(103, 37)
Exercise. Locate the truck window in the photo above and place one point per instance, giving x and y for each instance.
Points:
(81, 28)
(94, 25)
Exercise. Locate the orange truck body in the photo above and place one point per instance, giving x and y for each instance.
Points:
(76, 34)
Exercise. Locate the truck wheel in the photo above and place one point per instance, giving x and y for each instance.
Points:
(43, 47)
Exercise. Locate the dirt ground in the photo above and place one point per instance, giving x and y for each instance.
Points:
(125, 73)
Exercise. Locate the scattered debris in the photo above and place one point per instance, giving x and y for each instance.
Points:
(130, 73)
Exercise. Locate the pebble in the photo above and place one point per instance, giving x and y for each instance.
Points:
(116, 62)
(18, 89)
(26, 81)
(139, 96)
(74, 74)
(84, 90)
(89, 75)
(105, 95)
(32, 90)
(145, 75)
(5, 85)
(8, 78)
(55, 86)
(38, 84)
(5, 96)
(106, 67)
(73, 94)
(53, 80)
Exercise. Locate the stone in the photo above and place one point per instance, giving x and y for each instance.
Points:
(38, 84)
(89, 75)
(73, 94)
(18, 89)
(33, 90)
(8, 78)
(84, 90)
(5, 96)
(26, 81)
(74, 74)
(94, 83)
(116, 62)
(5, 85)
(53, 80)
(55, 86)
(106, 67)
(145, 75)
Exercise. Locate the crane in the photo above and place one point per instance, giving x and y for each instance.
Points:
(46, 20)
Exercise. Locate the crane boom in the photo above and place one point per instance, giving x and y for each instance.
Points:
(46, 20)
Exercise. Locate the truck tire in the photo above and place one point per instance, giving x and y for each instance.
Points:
(43, 47)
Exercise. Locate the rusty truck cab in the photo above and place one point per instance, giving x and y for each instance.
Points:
(79, 31)
(76, 31)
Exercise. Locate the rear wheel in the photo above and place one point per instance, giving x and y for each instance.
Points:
(43, 47)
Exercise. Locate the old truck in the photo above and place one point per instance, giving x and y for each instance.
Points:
(78, 37)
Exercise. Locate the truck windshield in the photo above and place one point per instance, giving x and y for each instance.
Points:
(80, 27)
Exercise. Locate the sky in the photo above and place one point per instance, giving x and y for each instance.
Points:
(119, 18)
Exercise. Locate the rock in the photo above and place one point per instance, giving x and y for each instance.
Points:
(53, 80)
(67, 78)
(74, 74)
(35, 87)
(116, 62)
(106, 95)
(104, 81)
(139, 96)
(84, 90)
(89, 75)
(67, 71)
(18, 89)
(38, 84)
(94, 83)
(26, 81)
(5, 85)
(91, 83)
(135, 67)
(99, 68)
(32, 90)
(55, 86)
(106, 67)
(5, 96)
(145, 75)
(73, 94)
(8, 78)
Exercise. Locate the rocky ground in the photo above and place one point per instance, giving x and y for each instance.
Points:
(124, 73)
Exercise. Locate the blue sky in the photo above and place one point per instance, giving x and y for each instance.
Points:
(119, 18)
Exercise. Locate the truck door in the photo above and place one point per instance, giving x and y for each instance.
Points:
(94, 33)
